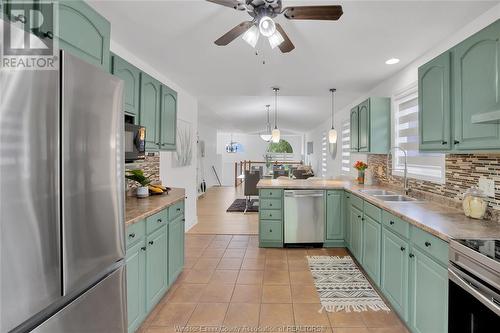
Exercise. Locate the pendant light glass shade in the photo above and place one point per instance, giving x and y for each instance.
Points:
(267, 27)
(332, 133)
(276, 39)
(251, 36)
(267, 135)
(276, 135)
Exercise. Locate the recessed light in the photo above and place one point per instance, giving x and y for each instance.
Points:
(392, 61)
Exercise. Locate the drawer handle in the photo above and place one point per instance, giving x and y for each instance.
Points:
(444, 142)
(270, 205)
(49, 35)
(178, 209)
(151, 242)
(132, 235)
(270, 215)
(456, 142)
(270, 230)
(183, 220)
(427, 244)
(403, 248)
(159, 221)
(391, 222)
(362, 219)
(412, 255)
(143, 248)
(359, 216)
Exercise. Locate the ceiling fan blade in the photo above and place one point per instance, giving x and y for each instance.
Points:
(332, 13)
(228, 3)
(287, 45)
(234, 33)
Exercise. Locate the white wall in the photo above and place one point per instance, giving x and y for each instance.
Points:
(187, 109)
(391, 86)
(208, 134)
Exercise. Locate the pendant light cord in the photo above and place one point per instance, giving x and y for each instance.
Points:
(276, 107)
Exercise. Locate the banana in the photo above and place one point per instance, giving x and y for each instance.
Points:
(155, 189)
(161, 187)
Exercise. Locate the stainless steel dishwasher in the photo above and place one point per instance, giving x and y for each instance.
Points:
(304, 216)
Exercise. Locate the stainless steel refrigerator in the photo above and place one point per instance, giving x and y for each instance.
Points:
(62, 200)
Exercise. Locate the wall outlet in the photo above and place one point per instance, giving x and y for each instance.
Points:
(487, 186)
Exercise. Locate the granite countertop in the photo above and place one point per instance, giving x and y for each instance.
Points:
(439, 220)
(138, 209)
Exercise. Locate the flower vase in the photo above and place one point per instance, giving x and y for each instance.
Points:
(361, 176)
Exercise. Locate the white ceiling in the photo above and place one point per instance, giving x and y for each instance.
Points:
(233, 85)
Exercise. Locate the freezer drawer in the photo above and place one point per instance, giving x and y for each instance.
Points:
(304, 216)
(101, 309)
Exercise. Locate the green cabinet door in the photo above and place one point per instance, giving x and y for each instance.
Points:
(394, 275)
(84, 33)
(428, 294)
(131, 85)
(334, 218)
(476, 69)
(175, 248)
(149, 113)
(136, 285)
(346, 217)
(356, 233)
(371, 248)
(364, 126)
(168, 118)
(354, 123)
(434, 110)
(156, 266)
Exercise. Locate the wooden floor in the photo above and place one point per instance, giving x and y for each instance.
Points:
(213, 219)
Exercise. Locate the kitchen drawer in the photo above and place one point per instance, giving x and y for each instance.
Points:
(396, 224)
(175, 210)
(270, 203)
(357, 202)
(372, 211)
(135, 232)
(270, 214)
(434, 246)
(270, 193)
(155, 221)
(271, 231)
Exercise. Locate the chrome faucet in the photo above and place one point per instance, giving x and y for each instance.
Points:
(405, 170)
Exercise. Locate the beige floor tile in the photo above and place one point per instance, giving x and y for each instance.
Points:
(230, 263)
(162, 329)
(304, 293)
(172, 314)
(250, 277)
(393, 329)
(276, 315)
(346, 319)
(351, 330)
(297, 265)
(301, 277)
(276, 264)
(276, 277)
(247, 294)
(242, 314)
(217, 293)
(215, 253)
(309, 314)
(234, 253)
(189, 262)
(237, 244)
(218, 244)
(253, 264)
(187, 293)
(196, 276)
(255, 253)
(241, 238)
(226, 238)
(317, 252)
(193, 251)
(206, 264)
(224, 276)
(276, 294)
(276, 253)
(208, 314)
(380, 319)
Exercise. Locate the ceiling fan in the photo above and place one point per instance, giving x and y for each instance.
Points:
(263, 12)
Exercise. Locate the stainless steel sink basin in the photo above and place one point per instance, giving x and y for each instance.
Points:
(398, 198)
(377, 192)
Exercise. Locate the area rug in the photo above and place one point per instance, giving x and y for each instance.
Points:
(239, 206)
(342, 286)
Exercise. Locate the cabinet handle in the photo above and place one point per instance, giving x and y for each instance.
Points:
(159, 221)
(132, 235)
(362, 219)
(427, 244)
(20, 18)
(403, 248)
(456, 142)
(151, 242)
(143, 248)
(359, 216)
(270, 230)
(270, 215)
(391, 222)
(178, 209)
(183, 220)
(444, 142)
(270, 205)
(49, 35)
(411, 255)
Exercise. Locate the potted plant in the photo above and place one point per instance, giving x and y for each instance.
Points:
(361, 167)
(138, 176)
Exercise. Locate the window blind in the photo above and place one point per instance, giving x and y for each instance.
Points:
(346, 147)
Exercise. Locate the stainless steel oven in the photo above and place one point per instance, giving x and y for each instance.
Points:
(474, 286)
(135, 144)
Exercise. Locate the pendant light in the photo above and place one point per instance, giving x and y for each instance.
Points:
(332, 133)
(276, 131)
(267, 135)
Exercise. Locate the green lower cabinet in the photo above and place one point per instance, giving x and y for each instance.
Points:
(334, 218)
(356, 233)
(156, 266)
(372, 232)
(136, 285)
(271, 218)
(175, 248)
(346, 216)
(394, 275)
(428, 294)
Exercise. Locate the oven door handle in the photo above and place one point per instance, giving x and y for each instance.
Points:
(476, 289)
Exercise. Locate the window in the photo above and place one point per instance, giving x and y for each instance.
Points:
(346, 148)
(324, 154)
(424, 166)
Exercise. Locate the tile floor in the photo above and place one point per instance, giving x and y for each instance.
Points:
(230, 282)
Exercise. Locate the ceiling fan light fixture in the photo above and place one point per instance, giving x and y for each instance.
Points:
(392, 61)
(251, 36)
(276, 39)
(267, 26)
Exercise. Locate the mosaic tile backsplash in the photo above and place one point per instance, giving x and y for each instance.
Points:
(462, 172)
(151, 167)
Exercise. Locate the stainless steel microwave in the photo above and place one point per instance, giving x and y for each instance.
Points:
(135, 142)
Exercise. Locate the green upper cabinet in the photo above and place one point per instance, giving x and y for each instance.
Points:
(168, 118)
(354, 129)
(370, 124)
(334, 218)
(476, 69)
(149, 113)
(131, 85)
(84, 33)
(434, 104)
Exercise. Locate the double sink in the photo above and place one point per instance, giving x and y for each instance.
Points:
(385, 195)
